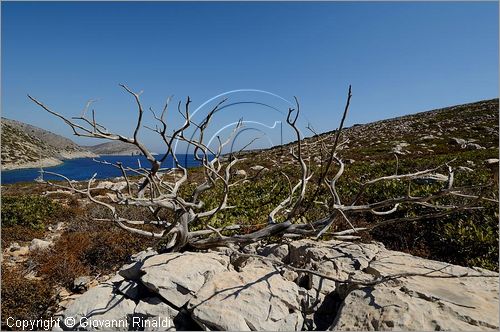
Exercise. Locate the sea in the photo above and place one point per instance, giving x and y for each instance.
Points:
(83, 168)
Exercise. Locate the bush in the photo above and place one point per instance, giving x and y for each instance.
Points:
(27, 210)
(88, 248)
(64, 261)
(471, 238)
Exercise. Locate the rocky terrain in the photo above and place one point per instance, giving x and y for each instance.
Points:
(456, 129)
(268, 287)
(114, 148)
(27, 146)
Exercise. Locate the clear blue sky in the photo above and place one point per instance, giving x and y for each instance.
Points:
(400, 58)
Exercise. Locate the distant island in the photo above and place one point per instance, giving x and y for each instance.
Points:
(117, 148)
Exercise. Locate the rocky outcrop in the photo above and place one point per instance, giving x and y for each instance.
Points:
(169, 276)
(351, 287)
(97, 309)
(257, 298)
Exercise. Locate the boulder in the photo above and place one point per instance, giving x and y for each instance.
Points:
(97, 309)
(398, 149)
(177, 277)
(105, 184)
(254, 299)
(130, 289)
(420, 302)
(393, 291)
(335, 259)
(16, 253)
(119, 185)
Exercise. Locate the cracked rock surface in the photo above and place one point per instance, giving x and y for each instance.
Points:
(372, 289)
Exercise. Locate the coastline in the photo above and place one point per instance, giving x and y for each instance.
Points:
(46, 162)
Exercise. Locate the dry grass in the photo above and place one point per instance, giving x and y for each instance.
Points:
(87, 248)
(23, 298)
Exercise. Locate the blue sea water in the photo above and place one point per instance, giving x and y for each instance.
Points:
(84, 168)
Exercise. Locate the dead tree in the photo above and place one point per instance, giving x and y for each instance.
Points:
(158, 191)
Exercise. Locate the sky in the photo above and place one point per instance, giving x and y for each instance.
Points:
(400, 58)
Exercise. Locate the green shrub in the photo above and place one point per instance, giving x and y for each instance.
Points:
(471, 238)
(30, 211)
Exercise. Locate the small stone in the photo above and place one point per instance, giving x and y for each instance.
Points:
(458, 141)
(81, 284)
(276, 251)
(258, 168)
(241, 172)
(37, 244)
(474, 146)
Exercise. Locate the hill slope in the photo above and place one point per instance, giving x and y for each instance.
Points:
(116, 148)
(456, 129)
(23, 145)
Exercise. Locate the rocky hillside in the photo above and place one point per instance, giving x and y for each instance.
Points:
(456, 129)
(24, 144)
(114, 148)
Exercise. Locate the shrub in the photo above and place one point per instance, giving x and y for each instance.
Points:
(27, 210)
(64, 261)
(19, 234)
(88, 248)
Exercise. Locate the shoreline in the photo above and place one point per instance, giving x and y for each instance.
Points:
(46, 162)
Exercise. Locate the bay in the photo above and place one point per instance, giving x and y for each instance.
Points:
(83, 168)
